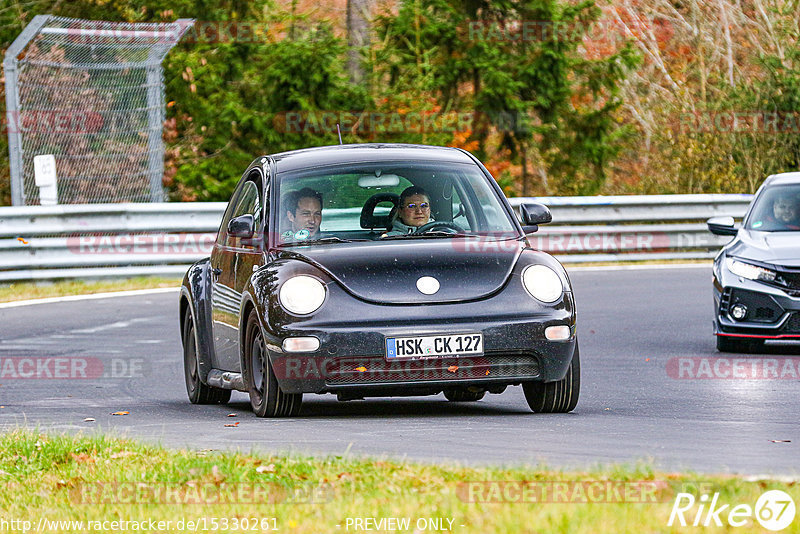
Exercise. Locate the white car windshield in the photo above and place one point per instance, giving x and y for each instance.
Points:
(777, 209)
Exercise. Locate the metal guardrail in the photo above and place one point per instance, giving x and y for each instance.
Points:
(125, 240)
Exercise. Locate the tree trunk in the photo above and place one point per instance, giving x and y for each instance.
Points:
(526, 181)
(358, 12)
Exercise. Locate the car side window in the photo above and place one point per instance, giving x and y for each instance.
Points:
(247, 199)
(249, 202)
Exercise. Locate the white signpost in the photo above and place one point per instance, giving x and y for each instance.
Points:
(44, 170)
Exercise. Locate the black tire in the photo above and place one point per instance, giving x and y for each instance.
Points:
(739, 345)
(463, 395)
(556, 397)
(198, 392)
(266, 397)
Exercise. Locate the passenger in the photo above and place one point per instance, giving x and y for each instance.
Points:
(304, 211)
(413, 212)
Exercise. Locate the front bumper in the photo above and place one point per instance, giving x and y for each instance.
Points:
(352, 358)
(771, 312)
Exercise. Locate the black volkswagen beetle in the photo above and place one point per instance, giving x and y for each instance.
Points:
(757, 274)
(377, 270)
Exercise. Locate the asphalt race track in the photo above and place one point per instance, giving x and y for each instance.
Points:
(637, 403)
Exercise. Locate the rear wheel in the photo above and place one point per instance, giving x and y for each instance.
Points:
(738, 344)
(266, 397)
(463, 395)
(198, 392)
(556, 397)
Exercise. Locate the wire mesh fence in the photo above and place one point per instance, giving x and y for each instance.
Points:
(91, 93)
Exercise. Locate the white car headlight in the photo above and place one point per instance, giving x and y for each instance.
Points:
(542, 282)
(749, 271)
(302, 294)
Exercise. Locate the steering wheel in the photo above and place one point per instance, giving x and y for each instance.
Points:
(439, 225)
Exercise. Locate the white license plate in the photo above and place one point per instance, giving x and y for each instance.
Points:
(433, 346)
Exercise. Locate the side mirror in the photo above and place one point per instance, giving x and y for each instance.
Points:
(722, 226)
(242, 226)
(533, 215)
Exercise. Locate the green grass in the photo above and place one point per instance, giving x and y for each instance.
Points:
(29, 290)
(55, 476)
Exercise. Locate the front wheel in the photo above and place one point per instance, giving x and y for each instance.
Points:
(198, 392)
(266, 397)
(560, 396)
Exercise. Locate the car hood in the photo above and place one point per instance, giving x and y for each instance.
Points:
(779, 248)
(387, 272)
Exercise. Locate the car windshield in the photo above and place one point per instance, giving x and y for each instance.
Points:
(777, 209)
(389, 201)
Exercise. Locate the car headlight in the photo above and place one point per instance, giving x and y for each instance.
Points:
(302, 294)
(749, 271)
(542, 282)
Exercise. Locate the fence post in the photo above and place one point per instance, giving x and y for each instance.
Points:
(13, 119)
(155, 125)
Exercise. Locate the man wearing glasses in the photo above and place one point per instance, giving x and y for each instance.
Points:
(414, 211)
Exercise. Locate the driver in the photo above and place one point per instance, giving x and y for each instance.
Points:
(414, 211)
(785, 211)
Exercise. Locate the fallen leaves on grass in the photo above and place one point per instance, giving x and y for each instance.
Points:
(81, 458)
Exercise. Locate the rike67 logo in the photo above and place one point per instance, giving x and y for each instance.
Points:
(774, 510)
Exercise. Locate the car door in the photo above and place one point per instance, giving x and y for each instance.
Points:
(225, 299)
(250, 252)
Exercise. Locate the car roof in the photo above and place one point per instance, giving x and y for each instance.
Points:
(365, 153)
(784, 178)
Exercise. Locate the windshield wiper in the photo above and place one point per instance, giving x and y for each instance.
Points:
(429, 234)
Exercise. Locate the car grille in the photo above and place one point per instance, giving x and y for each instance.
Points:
(761, 308)
(792, 326)
(373, 370)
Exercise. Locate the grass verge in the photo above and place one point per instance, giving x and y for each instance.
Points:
(29, 290)
(96, 480)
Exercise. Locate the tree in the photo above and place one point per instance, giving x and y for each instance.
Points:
(358, 13)
(518, 65)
